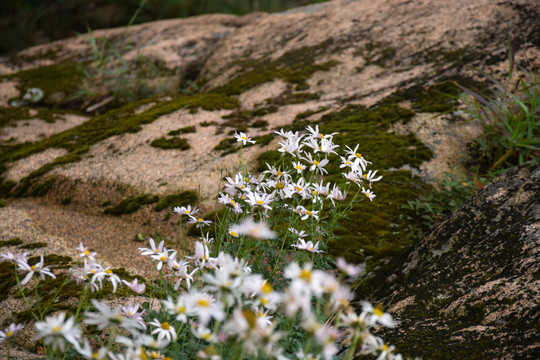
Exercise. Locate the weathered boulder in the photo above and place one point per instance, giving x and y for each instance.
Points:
(471, 288)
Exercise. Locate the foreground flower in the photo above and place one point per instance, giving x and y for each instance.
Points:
(257, 230)
(350, 270)
(10, 331)
(243, 138)
(164, 330)
(55, 330)
(135, 286)
(369, 194)
(37, 268)
(308, 246)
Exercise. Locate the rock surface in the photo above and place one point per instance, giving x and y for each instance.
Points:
(470, 289)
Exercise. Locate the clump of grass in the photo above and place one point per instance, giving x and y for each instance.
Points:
(511, 122)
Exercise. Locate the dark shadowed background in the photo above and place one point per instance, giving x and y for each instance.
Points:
(24, 23)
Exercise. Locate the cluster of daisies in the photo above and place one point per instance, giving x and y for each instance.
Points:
(210, 304)
(220, 306)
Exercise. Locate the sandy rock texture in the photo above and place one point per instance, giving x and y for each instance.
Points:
(471, 287)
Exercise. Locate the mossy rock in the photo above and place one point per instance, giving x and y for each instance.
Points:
(130, 205)
(77, 140)
(51, 79)
(294, 67)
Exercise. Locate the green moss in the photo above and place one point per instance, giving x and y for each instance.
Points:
(171, 143)
(35, 245)
(308, 113)
(130, 205)
(62, 77)
(184, 130)
(66, 200)
(295, 67)
(227, 144)
(185, 198)
(376, 53)
(11, 242)
(52, 260)
(43, 188)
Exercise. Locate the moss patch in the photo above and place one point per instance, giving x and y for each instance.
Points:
(130, 205)
(295, 67)
(62, 77)
(184, 130)
(35, 245)
(11, 242)
(185, 198)
(171, 143)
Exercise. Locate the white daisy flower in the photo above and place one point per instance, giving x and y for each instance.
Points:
(55, 330)
(163, 330)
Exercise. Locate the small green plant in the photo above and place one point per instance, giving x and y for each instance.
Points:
(511, 121)
(441, 200)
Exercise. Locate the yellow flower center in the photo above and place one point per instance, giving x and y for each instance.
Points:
(299, 167)
(308, 212)
(315, 162)
(385, 347)
(280, 185)
(187, 212)
(242, 197)
(181, 310)
(56, 329)
(297, 188)
(305, 275)
(203, 302)
(378, 311)
(244, 138)
(233, 202)
(364, 176)
(279, 172)
(165, 326)
(163, 258)
(264, 301)
(322, 136)
(207, 336)
(86, 252)
(200, 220)
(260, 202)
(95, 355)
(358, 155)
(234, 233)
(310, 248)
(10, 333)
(108, 272)
(33, 267)
(266, 288)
